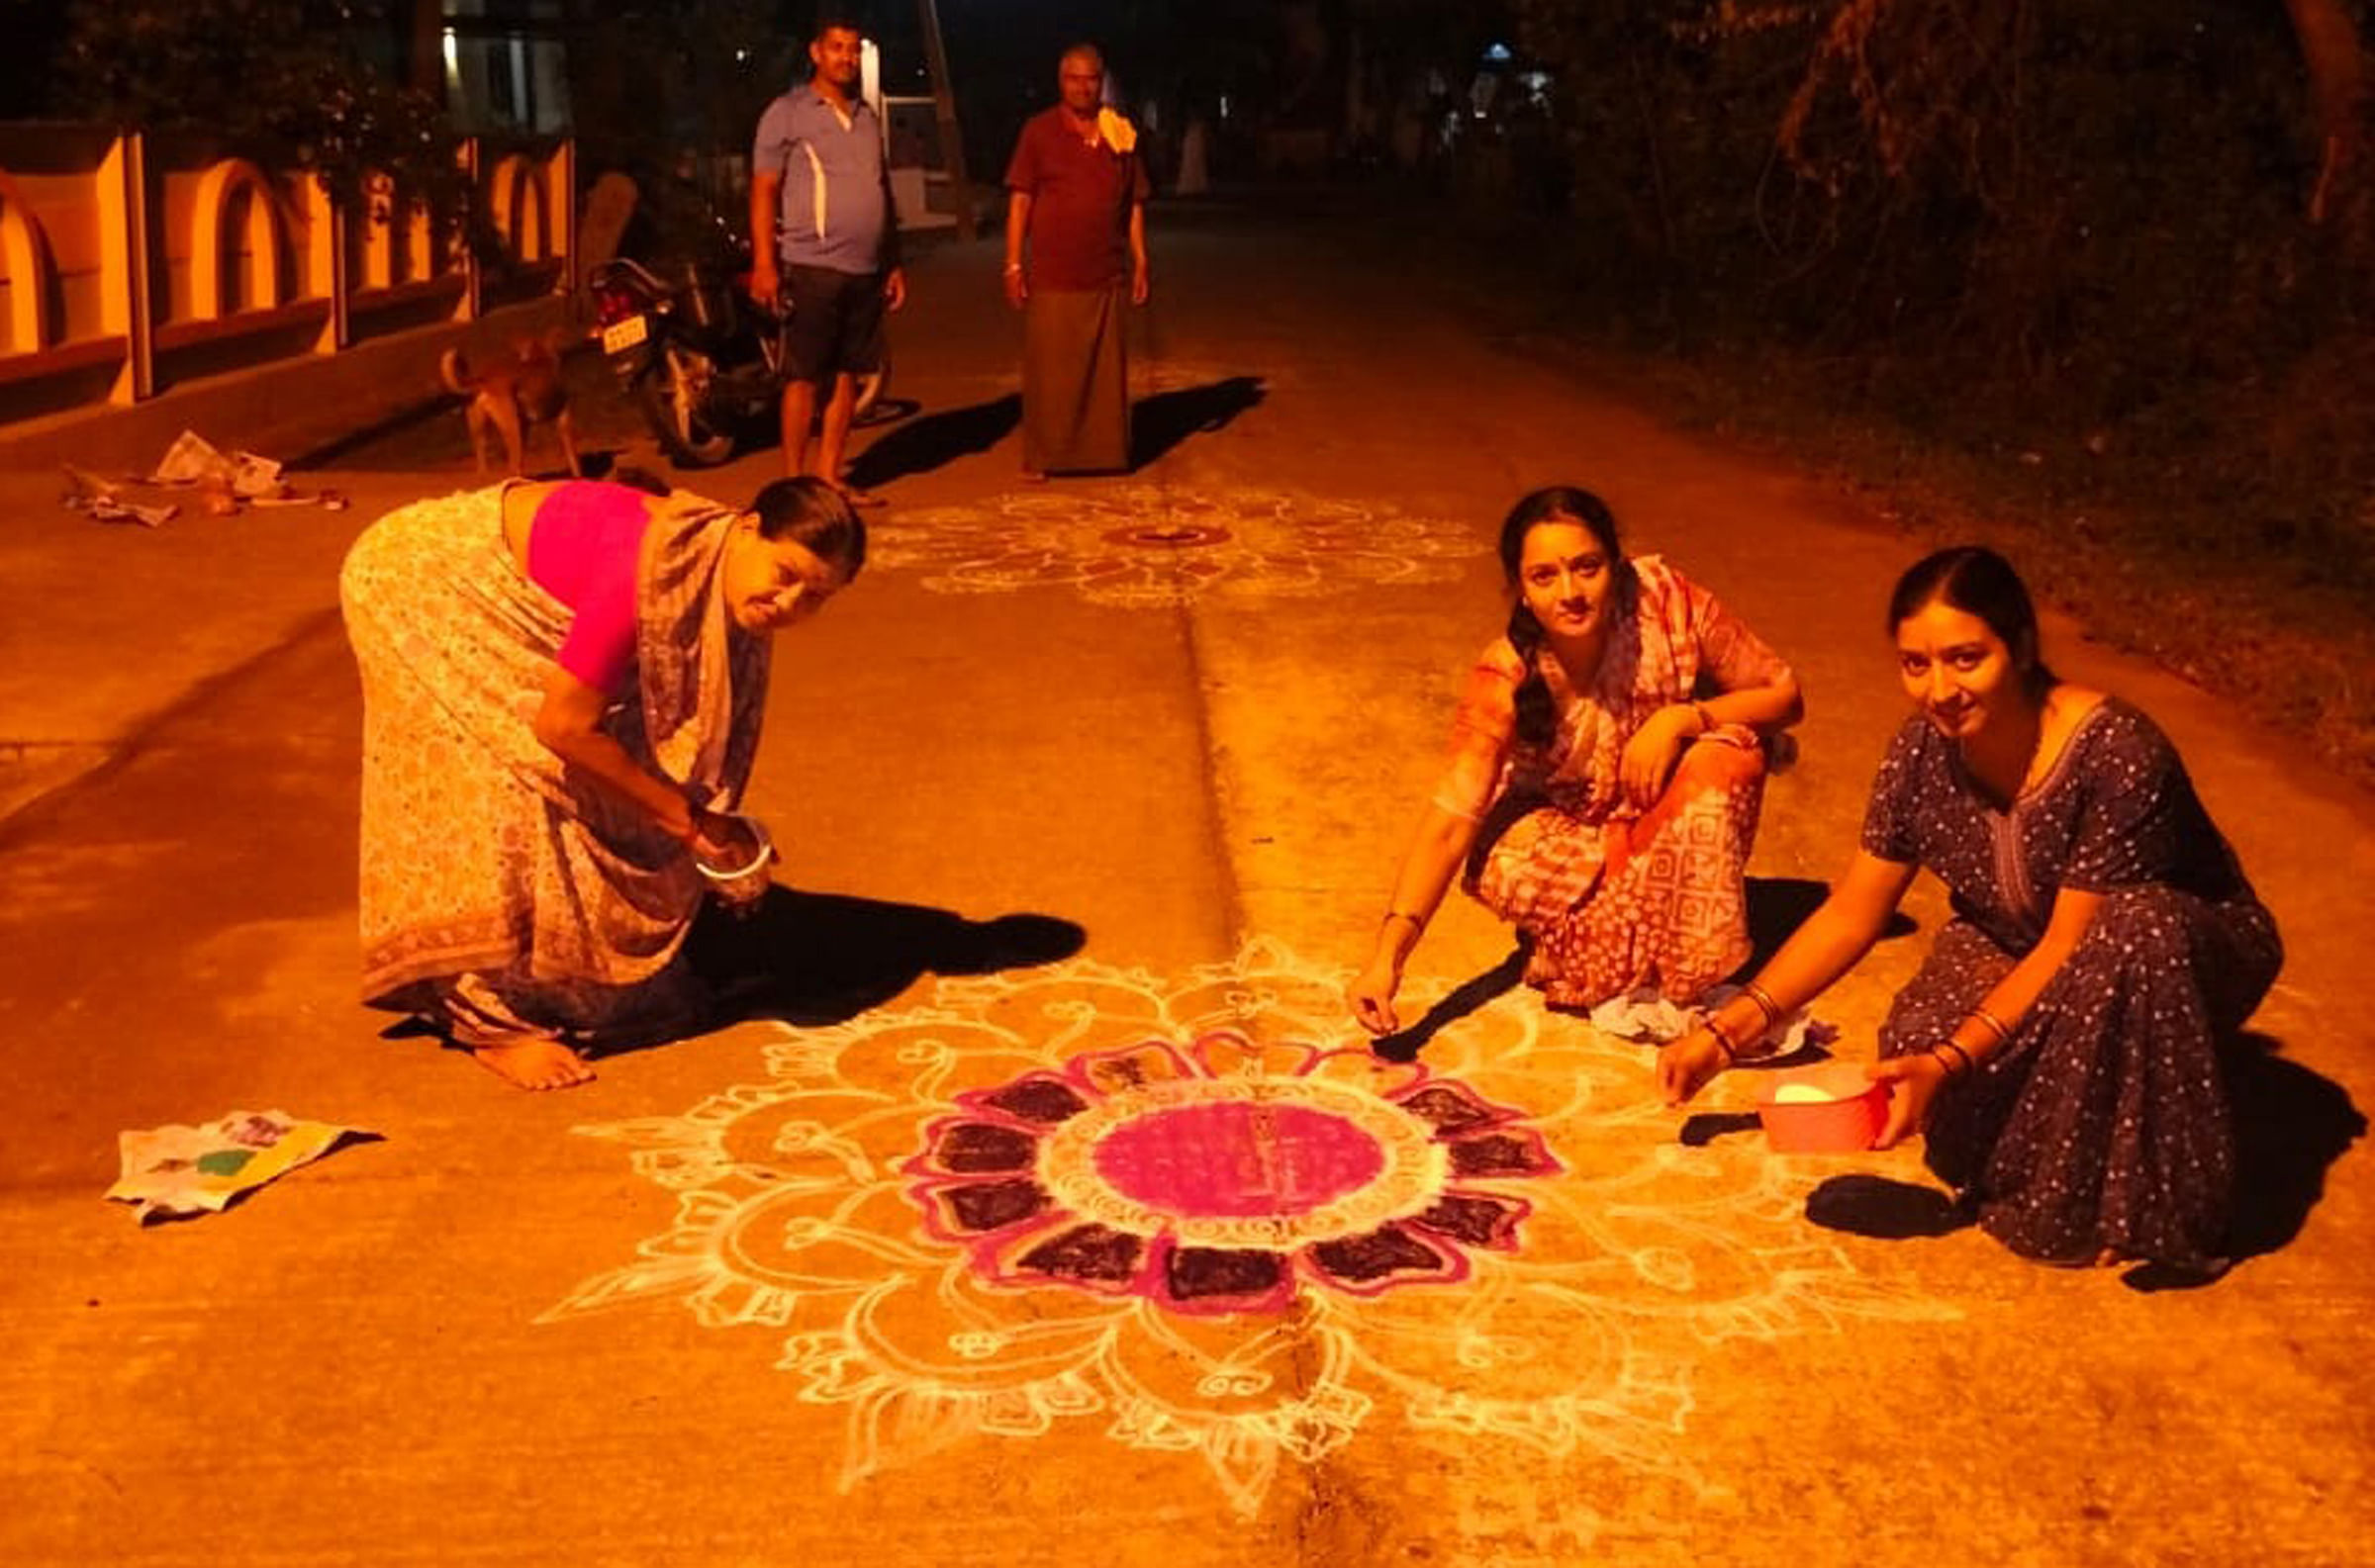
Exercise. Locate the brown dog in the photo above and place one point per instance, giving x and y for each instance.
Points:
(509, 397)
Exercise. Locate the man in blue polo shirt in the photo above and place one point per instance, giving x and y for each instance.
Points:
(820, 203)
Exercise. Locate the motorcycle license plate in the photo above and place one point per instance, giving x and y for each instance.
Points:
(619, 336)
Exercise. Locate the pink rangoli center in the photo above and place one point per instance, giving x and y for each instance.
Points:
(1231, 1159)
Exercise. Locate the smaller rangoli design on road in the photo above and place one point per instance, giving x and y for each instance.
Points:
(1147, 545)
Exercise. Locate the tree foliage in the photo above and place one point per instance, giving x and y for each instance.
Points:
(651, 81)
(2084, 222)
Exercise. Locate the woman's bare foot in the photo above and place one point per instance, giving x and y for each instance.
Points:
(534, 1064)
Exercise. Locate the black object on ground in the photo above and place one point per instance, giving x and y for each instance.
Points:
(1884, 1209)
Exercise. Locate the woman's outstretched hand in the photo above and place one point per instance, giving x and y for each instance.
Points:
(1685, 1064)
(1913, 1081)
(1372, 997)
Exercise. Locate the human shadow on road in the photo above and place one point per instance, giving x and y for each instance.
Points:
(1884, 1208)
(1162, 421)
(2291, 1125)
(923, 445)
(815, 959)
(1701, 1128)
(1778, 905)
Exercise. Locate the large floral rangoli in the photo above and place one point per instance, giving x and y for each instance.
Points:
(1201, 1215)
(1224, 1177)
(1148, 544)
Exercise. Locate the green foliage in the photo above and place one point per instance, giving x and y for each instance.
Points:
(289, 82)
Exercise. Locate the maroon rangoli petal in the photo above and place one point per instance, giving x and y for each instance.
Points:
(1206, 1273)
(1134, 1067)
(984, 1206)
(1095, 1255)
(1451, 1108)
(1045, 1101)
(1475, 1219)
(969, 1147)
(1383, 1254)
(1506, 1151)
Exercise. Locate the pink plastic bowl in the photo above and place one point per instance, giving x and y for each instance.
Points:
(1848, 1117)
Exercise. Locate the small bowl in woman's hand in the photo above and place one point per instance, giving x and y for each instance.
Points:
(746, 876)
(1828, 1109)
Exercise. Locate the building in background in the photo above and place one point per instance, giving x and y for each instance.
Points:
(504, 65)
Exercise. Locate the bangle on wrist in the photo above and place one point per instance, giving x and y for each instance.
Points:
(1706, 722)
(1391, 915)
(1952, 1071)
(1764, 1002)
(1992, 1024)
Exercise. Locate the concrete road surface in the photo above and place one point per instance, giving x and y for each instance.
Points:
(1106, 777)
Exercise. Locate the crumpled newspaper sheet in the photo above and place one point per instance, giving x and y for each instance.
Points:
(1645, 1015)
(98, 495)
(193, 460)
(226, 483)
(171, 1172)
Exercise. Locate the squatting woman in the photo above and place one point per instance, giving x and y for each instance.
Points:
(1608, 760)
(2057, 1050)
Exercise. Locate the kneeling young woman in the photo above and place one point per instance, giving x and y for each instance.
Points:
(2057, 1048)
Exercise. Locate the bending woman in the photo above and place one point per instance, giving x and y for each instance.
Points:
(562, 692)
(2058, 1047)
(1607, 764)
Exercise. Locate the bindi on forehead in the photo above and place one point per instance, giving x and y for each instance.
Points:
(1557, 552)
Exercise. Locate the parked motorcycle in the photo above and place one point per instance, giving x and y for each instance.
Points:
(698, 356)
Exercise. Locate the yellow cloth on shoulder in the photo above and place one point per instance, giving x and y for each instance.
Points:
(1116, 130)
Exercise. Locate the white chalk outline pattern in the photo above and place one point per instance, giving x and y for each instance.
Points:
(1236, 542)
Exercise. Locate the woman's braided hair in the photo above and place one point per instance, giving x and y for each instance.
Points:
(1536, 718)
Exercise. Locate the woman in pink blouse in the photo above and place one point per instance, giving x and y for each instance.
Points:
(1608, 759)
(562, 691)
